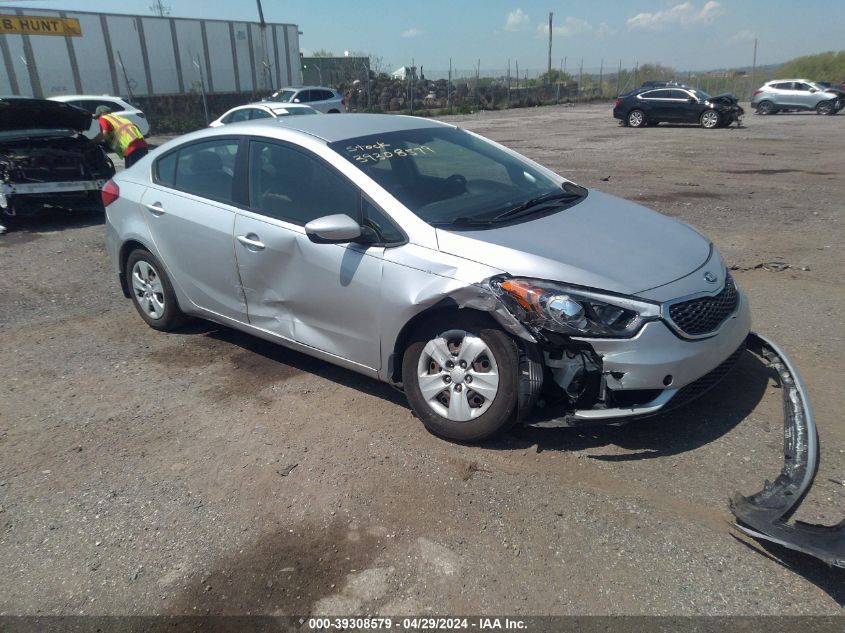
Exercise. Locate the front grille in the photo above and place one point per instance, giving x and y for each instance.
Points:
(705, 314)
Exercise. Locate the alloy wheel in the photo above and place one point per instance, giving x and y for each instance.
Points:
(148, 289)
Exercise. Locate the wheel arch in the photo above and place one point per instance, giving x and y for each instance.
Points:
(125, 249)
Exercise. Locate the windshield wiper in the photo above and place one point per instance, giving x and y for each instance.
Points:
(569, 194)
(462, 221)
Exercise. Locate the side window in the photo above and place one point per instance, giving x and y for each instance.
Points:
(304, 96)
(651, 94)
(293, 186)
(381, 224)
(802, 86)
(207, 169)
(257, 113)
(325, 95)
(165, 169)
(237, 115)
(784, 85)
(678, 94)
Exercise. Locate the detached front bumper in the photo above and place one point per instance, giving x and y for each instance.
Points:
(764, 515)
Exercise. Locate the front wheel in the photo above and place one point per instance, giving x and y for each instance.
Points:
(709, 119)
(461, 378)
(766, 107)
(636, 118)
(825, 107)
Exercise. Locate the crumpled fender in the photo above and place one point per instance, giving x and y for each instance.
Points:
(765, 515)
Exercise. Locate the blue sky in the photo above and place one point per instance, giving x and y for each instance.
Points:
(693, 35)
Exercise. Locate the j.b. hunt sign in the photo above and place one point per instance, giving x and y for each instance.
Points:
(39, 25)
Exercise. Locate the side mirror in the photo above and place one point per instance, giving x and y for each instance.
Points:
(333, 229)
(813, 90)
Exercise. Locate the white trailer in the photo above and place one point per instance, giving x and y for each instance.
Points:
(47, 53)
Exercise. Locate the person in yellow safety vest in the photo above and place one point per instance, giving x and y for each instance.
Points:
(121, 135)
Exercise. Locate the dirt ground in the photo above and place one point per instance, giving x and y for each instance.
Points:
(210, 472)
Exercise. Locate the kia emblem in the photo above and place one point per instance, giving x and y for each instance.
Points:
(710, 277)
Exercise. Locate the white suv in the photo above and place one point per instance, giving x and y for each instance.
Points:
(323, 99)
(118, 106)
(781, 95)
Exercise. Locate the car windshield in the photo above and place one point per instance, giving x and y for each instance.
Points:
(283, 96)
(699, 94)
(449, 177)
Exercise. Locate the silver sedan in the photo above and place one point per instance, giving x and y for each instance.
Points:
(428, 257)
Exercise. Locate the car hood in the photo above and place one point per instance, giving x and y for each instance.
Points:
(602, 242)
(40, 114)
(724, 99)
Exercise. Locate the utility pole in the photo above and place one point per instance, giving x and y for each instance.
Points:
(754, 65)
(601, 79)
(449, 87)
(549, 69)
(509, 82)
(265, 66)
(618, 77)
(581, 78)
(160, 9)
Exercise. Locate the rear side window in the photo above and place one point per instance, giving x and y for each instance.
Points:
(786, 85)
(237, 115)
(165, 169)
(203, 169)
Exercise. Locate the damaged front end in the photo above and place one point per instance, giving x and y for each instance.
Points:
(571, 385)
(60, 170)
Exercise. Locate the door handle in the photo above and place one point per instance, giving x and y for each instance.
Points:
(251, 240)
(155, 208)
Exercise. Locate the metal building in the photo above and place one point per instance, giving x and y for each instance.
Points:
(48, 53)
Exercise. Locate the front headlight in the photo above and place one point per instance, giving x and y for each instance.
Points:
(546, 305)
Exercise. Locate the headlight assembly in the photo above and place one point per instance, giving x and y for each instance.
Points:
(573, 311)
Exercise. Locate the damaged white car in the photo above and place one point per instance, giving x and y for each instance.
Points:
(46, 160)
(423, 255)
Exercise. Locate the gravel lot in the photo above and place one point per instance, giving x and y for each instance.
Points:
(210, 472)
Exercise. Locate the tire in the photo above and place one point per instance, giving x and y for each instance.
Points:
(766, 107)
(710, 119)
(826, 107)
(636, 118)
(151, 291)
(458, 411)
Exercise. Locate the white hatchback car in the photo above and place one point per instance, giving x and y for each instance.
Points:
(118, 106)
(254, 111)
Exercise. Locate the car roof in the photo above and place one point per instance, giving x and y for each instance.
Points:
(306, 88)
(68, 97)
(330, 128)
(777, 81)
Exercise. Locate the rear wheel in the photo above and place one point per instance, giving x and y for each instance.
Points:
(152, 292)
(766, 107)
(826, 107)
(636, 118)
(461, 378)
(709, 119)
